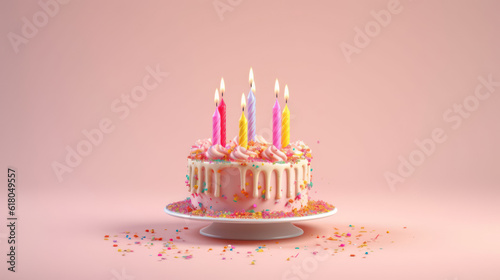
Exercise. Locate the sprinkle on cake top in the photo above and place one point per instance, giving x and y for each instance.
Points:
(258, 151)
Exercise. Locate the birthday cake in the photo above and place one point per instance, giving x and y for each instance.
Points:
(249, 177)
(258, 178)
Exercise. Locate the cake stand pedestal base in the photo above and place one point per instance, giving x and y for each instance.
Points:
(264, 231)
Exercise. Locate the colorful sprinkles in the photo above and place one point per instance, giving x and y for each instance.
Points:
(348, 241)
(294, 152)
(313, 207)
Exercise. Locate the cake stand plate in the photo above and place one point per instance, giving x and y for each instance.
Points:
(251, 229)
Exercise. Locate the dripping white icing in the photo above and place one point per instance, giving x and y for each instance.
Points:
(201, 172)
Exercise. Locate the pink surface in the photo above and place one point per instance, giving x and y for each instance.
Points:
(398, 101)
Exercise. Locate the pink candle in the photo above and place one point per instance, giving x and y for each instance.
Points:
(216, 121)
(222, 112)
(277, 119)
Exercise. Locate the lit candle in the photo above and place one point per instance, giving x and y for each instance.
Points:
(251, 108)
(285, 121)
(277, 118)
(216, 121)
(222, 112)
(243, 136)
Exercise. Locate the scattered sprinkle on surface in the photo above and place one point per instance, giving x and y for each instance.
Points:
(170, 245)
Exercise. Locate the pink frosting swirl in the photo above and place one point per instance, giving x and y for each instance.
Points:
(240, 154)
(259, 150)
(204, 143)
(231, 144)
(273, 154)
(293, 152)
(199, 148)
(217, 152)
(300, 150)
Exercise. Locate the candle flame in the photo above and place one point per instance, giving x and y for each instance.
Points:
(276, 88)
(253, 87)
(216, 97)
(222, 87)
(243, 102)
(286, 93)
(250, 78)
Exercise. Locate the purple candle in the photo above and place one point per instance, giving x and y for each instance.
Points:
(277, 118)
(251, 109)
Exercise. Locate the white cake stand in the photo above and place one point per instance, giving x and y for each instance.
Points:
(251, 229)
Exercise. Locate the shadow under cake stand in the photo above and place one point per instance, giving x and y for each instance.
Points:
(251, 229)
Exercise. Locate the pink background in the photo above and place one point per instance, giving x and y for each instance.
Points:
(358, 117)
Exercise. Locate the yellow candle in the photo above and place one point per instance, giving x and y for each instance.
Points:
(243, 135)
(285, 122)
